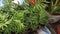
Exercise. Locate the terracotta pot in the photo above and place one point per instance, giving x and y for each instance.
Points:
(58, 29)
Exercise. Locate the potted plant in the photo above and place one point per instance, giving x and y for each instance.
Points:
(21, 18)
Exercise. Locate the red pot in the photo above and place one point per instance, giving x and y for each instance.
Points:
(58, 29)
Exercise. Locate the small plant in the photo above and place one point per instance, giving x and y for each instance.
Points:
(54, 6)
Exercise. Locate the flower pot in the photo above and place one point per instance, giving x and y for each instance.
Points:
(54, 18)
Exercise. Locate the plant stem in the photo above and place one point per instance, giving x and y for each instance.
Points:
(56, 2)
(51, 6)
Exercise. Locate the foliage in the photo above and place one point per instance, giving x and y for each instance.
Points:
(54, 6)
(18, 18)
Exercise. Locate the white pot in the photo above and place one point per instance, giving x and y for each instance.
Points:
(41, 31)
(18, 2)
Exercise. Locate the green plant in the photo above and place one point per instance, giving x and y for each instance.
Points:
(18, 18)
(54, 6)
